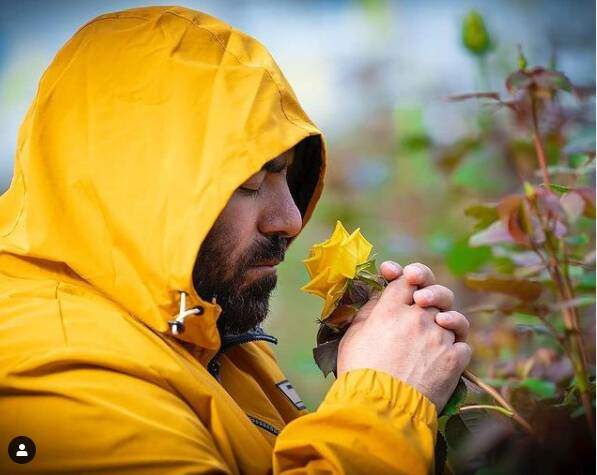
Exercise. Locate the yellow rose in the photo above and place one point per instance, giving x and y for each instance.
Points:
(332, 263)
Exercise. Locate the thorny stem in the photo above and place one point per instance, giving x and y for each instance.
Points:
(575, 347)
(577, 352)
(542, 316)
(498, 397)
(539, 144)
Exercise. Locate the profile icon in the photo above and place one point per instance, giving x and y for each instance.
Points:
(21, 449)
(22, 452)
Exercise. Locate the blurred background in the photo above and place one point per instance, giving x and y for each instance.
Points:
(404, 163)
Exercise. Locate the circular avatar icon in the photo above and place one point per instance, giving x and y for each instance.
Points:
(21, 449)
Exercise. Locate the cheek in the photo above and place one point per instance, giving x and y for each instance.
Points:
(241, 219)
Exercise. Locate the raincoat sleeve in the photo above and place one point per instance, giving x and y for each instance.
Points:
(369, 422)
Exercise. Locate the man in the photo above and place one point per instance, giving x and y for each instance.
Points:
(163, 168)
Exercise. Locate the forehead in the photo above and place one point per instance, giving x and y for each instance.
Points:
(278, 163)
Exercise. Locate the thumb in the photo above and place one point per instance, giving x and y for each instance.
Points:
(397, 293)
(390, 270)
(366, 309)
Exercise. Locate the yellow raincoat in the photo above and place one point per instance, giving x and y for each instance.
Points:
(142, 127)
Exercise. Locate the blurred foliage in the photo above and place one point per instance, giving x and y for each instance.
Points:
(505, 216)
(538, 275)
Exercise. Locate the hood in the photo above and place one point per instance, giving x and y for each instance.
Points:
(142, 127)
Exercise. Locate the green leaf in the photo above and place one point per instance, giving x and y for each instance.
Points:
(577, 159)
(577, 240)
(559, 188)
(416, 142)
(457, 398)
(543, 389)
(522, 318)
(579, 411)
(587, 281)
(461, 258)
(373, 281)
(483, 214)
(522, 60)
(368, 266)
(456, 432)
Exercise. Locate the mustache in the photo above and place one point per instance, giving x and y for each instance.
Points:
(274, 248)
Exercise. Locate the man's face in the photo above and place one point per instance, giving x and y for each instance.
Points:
(253, 228)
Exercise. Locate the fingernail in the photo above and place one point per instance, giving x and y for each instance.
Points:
(425, 294)
(415, 271)
(395, 266)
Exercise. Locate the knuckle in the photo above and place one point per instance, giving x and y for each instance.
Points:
(395, 284)
(450, 293)
(436, 338)
(419, 266)
(465, 352)
(457, 317)
(451, 360)
(419, 323)
(423, 267)
(446, 293)
(391, 264)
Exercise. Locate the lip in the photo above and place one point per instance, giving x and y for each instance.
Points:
(271, 263)
(263, 269)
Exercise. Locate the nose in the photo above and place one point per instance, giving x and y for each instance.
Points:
(281, 214)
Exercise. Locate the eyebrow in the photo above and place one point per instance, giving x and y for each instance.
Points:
(276, 165)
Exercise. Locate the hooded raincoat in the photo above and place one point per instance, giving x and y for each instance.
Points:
(142, 127)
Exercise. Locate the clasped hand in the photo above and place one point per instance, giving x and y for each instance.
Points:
(410, 331)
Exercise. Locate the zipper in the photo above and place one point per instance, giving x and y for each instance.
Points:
(229, 341)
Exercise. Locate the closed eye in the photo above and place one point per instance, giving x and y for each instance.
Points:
(249, 191)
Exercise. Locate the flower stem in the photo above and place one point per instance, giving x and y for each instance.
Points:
(498, 397)
(539, 145)
(575, 348)
(506, 412)
(559, 274)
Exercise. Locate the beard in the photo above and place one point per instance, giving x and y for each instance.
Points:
(244, 304)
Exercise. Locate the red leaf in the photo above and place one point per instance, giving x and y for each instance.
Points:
(588, 194)
(524, 289)
(509, 210)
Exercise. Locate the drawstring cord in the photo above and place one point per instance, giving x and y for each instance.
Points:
(177, 325)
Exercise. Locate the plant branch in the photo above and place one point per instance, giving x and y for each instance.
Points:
(505, 412)
(575, 347)
(539, 145)
(498, 397)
